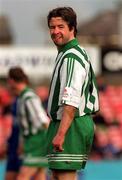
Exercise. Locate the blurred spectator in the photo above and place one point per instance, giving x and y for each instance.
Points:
(101, 83)
(5, 129)
(5, 120)
(107, 142)
(115, 140)
(101, 144)
(99, 119)
(5, 97)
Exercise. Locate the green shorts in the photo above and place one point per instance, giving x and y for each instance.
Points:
(77, 144)
(35, 150)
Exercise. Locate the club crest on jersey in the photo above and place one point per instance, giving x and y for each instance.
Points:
(67, 92)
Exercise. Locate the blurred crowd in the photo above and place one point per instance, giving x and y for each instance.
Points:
(108, 121)
(107, 141)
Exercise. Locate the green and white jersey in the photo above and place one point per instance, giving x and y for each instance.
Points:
(73, 82)
(30, 112)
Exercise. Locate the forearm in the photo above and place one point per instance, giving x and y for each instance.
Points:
(67, 118)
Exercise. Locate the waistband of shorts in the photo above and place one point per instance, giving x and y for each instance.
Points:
(84, 116)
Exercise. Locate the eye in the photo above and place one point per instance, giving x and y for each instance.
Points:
(52, 27)
(61, 26)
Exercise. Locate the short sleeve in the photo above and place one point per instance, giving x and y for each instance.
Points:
(72, 79)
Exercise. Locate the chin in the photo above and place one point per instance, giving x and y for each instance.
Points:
(59, 43)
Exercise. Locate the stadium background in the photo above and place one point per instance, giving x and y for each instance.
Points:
(101, 35)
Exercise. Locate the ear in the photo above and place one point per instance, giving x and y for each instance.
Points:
(72, 30)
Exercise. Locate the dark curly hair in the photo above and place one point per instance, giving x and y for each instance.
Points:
(17, 74)
(67, 14)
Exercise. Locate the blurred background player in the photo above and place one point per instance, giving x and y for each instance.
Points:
(33, 121)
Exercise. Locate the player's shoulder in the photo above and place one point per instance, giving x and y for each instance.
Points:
(29, 94)
(75, 50)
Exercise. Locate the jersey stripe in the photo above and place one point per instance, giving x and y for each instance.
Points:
(70, 65)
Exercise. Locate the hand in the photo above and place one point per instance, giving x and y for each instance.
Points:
(45, 125)
(58, 143)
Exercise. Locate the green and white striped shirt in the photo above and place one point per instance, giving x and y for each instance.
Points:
(73, 82)
(30, 112)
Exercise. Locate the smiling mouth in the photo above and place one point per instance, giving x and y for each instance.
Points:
(56, 38)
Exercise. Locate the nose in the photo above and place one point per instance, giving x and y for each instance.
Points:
(56, 30)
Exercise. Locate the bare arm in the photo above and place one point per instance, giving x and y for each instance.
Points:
(67, 118)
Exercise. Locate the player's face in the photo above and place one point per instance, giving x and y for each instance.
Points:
(60, 32)
(12, 86)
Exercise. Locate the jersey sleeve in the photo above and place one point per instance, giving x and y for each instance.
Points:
(36, 112)
(72, 79)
